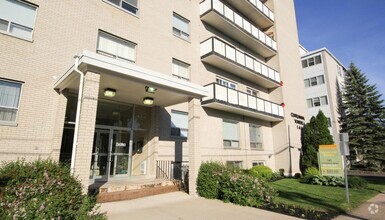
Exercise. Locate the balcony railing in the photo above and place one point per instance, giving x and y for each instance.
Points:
(255, 10)
(230, 100)
(222, 17)
(225, 56)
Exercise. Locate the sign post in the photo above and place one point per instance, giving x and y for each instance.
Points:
(344, 149)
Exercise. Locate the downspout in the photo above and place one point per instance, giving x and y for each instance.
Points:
(78, 109)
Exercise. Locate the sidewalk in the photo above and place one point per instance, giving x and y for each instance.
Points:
(180, 206)
(374, 209)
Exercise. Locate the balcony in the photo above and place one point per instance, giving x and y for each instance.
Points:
(224, 56)
(223, 18)
(230, 100)
(255, 10)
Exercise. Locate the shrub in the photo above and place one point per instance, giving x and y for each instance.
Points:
(276, 176)
(261, 172)
(297, 175)
(208, 179)
(323, 180)
(243, 189)
(312, 171)
(43, 189)
(357, 182)
(282, 172)
(299, 211)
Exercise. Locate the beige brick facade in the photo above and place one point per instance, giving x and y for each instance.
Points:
(65, 28)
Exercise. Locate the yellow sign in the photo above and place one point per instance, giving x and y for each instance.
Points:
(330, 160)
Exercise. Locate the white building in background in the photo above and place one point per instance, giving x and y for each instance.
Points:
(322, 72)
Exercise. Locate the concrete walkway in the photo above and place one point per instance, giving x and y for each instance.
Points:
(373, 209)
(180, 206)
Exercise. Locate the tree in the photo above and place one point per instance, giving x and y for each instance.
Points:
(362, 116)
(315, 133)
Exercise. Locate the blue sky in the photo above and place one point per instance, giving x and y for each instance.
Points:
(353, 30)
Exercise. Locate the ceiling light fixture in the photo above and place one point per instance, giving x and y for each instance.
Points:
(148, 100)
(109, 92)
(150, 89)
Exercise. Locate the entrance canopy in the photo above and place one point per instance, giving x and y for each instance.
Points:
(130, 80)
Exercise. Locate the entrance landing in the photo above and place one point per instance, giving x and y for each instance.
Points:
(123, 189)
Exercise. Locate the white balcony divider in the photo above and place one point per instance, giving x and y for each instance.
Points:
(213, 44)
(238, 20)
(237, 98)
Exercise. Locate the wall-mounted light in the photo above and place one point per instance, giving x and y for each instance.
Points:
(150, 89)
(148, 100)
(109, 92)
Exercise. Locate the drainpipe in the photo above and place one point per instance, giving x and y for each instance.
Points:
(78, 109)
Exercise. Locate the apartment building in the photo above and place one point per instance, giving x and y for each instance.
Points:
(117, 87)
(322, 74)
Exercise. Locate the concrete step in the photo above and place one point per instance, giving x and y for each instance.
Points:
(126, 191)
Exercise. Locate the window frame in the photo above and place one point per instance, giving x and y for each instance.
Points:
(180, 32)
(261, 137)
(252, 92)
(231, 142)
(258, 163)
(7, 32)
(123, 9)
(226, 83)
(176, 61)
(235, 163)
(114, 55)
(174, 127)
(13, 123)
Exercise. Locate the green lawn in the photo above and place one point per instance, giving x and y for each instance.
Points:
(326, 198)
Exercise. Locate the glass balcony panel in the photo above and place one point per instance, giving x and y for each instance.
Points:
(233, 96)
(267, 107)
(249, 62)
(252, 102)
(240, 58)
(218, 6)
(230, 52)
(260, 105)
(242, 99)
(219, 47)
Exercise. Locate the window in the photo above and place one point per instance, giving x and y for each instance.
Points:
(9, 100)
(313, 81)
(127, 5)
(179, 124)
(252, 92)
(311, 61)
(226, 83)
(116, 47)
(324, 100)
(330, 122)
(234, 163)
(180, 27)
(255, 137)
(180, 69)
(304, 64)
(230, 134)
(258, 163)
(316, 101)
(17, 18)
(321, 79)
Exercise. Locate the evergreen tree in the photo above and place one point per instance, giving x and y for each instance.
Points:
(315, 133)
(362, 117)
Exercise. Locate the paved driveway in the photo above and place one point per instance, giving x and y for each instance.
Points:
(180, 206)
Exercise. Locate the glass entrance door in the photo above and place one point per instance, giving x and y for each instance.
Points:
(110, 152)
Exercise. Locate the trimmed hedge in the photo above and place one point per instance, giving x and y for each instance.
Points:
(261, 172)
(43, 189)
(208, 179)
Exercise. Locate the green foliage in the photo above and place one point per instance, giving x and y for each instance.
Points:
(276, 176)
(297, 175)
(208, 179)
(239, 188)
(362, 115)
(282, 172)
(324, 180)
(43, 189)
(261, 172)
(311, 171)
(232, 184)
(315, 133)
(357, 182)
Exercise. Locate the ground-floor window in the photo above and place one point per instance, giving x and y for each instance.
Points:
(9, 100)
(234, 163)
(179, 124)
(255, 137)
(230, 134)
(259, 163)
